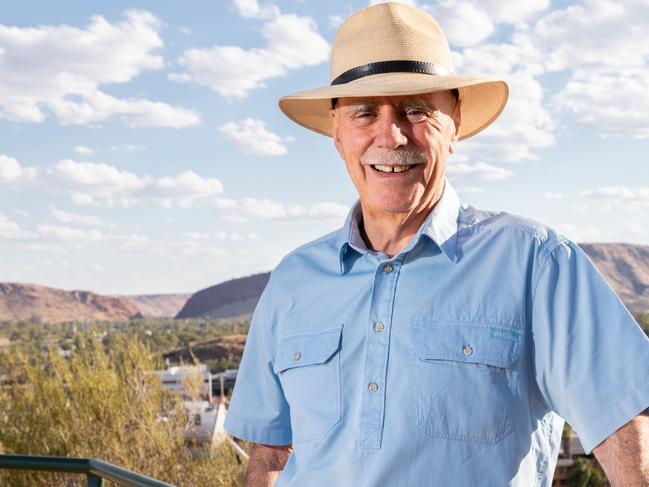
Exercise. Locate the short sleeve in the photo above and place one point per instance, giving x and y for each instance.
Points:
(258, 410)
(591, 358)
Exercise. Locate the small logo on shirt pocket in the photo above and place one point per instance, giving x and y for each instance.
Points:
(503, 334)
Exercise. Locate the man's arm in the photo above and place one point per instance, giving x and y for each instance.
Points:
(265, 464)
(625, 454)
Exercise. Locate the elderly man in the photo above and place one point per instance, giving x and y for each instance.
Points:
(429, 343)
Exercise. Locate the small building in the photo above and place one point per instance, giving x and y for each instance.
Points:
(176, 377)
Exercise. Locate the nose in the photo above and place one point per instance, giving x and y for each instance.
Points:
(390, 130)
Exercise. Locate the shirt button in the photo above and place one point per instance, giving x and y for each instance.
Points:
(388, 268)
(467, 350)
(297, 356)
(378, 327)
(373, 387)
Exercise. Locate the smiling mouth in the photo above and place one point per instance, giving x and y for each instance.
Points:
(390, 169)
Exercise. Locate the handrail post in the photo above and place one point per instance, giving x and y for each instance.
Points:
(95, 481)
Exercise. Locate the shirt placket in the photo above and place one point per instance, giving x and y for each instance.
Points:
(377, 350)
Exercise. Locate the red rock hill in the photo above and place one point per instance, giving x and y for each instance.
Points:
(48, 305)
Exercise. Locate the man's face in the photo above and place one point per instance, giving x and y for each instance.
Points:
(378, 137)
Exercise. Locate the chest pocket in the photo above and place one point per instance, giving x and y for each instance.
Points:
(462, 381)
(308, 366)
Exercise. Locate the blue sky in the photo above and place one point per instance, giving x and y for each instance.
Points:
(142, 150)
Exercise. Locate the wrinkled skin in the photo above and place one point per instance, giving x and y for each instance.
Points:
(428, 124)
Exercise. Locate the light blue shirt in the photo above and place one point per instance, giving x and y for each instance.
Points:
(452, 363)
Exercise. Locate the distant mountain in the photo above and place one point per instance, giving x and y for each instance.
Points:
(49, 305)
(159, 305)
(231, 298)
(625, 266)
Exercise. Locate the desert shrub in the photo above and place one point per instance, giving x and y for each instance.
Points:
(102, 404)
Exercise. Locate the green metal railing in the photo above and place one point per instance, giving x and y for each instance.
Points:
(96, 471)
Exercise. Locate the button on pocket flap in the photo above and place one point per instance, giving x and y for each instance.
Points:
(488, 345)
(307, 348)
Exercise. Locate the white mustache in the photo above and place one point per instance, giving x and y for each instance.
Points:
(392, 157)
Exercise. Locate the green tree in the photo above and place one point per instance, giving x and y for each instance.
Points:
(643, 321)
(102, 404)
(586, 473)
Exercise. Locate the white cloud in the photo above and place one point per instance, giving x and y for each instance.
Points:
(268, 209)
(602, 46)
(75, 218)
(224, 203)
(60, 69)
(196, 235)
(81, 199)
(169, 249)
(265, 209)
(580, 233)
(184, 189)
(618, 193)
(481, 170)
(12, 172)
(11, 230)
(463, 23)
(98, 107)
(252, 9)
(514, 12)
(552, 196)
(69, 234)
(252, 137)
(50, 249)
(101, 179)
(631, 201)
(234, 236)
(83, 150)
(292, 42)
(96, 183)
(613, 104)
(336, 21)
(595, 35)
(91, 182)
(525, 126)
(127, 148)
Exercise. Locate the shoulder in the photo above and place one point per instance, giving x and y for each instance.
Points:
(516, 229)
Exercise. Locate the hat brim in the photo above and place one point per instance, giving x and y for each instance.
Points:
(483, 99)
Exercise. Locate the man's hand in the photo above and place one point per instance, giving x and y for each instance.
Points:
(265, 464)
(625, 454)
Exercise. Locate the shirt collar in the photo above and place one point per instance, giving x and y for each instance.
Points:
(440, 226)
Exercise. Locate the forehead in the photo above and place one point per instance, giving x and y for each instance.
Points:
(435, 99)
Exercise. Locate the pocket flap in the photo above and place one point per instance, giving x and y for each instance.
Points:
(307, 348)
(496, 346)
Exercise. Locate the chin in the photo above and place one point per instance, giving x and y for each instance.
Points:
(400, 206)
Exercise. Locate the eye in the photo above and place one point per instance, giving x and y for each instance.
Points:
(416, 115)
(363, 117)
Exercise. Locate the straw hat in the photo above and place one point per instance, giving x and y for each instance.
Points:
(393, 49)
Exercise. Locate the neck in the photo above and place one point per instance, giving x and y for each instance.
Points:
(390, 233)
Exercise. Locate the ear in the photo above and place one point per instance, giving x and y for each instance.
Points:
(334, 126)
(457, 119)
